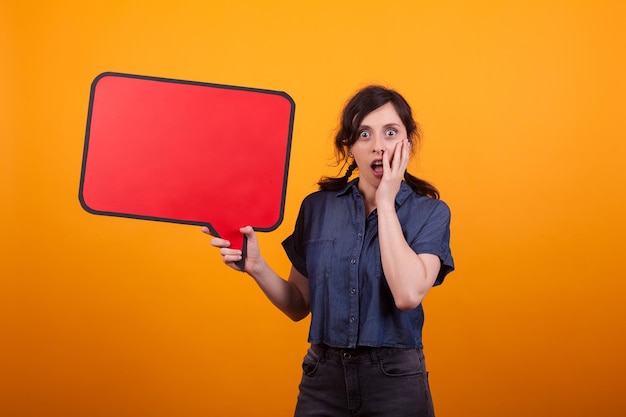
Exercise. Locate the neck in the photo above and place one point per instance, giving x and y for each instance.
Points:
(370, 206)
(369, 197)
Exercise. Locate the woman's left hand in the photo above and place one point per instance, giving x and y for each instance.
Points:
(394, 167)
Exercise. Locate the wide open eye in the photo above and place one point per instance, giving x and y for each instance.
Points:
(391, 132)
(364, 134)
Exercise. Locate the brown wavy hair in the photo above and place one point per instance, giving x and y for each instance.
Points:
(358, 107)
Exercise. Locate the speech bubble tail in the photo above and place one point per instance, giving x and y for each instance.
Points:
(233, 235)
(237, 241)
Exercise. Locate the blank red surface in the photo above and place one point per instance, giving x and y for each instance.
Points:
(184, 152)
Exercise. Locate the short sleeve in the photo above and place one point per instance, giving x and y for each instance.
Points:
(434, 238)
(293, 245)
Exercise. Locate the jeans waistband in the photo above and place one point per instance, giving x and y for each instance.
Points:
(360, 353)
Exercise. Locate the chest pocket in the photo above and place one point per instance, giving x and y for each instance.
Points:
(319, 258)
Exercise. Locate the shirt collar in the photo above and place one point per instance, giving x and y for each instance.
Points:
(351, 186)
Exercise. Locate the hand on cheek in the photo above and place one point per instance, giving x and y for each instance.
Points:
(398, 158)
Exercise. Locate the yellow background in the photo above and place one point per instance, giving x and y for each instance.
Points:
(522, 108)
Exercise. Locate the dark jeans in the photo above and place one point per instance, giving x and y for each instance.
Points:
(361, 382)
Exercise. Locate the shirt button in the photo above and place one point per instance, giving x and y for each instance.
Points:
(347, 355)
(352, 319)
(352, 261)
(359, 234)
(353, 291)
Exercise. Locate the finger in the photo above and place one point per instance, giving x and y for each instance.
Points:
(220, 243)
(406, 152)
(386, 162)
(397, 156)
(248, 231)
(233, 265)
(402, 152)
(231, 256)
(230, 252)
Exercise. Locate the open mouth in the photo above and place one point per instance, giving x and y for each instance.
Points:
(377, 167)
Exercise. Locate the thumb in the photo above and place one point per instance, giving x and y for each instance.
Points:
(252, 247)
(248, 232)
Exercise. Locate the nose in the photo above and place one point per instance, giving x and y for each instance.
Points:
(377, 145)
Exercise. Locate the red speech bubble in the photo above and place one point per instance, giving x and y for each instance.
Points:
(187, 152)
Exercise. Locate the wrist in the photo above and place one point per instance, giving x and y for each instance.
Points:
(386, 207)
(256, 268)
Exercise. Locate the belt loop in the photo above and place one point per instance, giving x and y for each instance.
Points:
(373, 355)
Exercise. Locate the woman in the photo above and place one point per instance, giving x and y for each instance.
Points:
(364, 253)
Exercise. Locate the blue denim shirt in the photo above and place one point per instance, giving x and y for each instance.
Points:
(335, 245)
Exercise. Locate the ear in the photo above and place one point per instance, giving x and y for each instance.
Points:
(413, 145)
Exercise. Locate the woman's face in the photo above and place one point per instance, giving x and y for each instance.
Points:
(380, 130)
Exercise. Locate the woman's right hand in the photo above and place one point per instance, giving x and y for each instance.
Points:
(231, 256)
(290, 296)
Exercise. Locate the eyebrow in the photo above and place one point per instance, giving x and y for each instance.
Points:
(384, 126)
